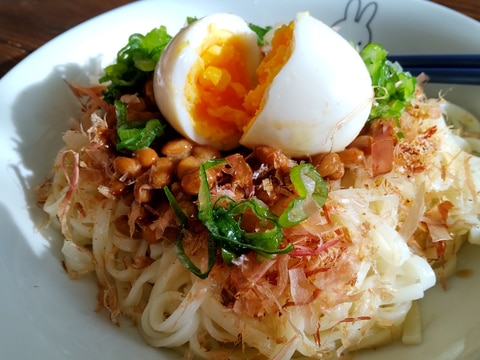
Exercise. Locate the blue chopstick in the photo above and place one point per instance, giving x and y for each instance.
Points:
(443, 68)
(465, 76)
(438, 61)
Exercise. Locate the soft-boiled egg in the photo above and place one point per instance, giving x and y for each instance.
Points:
(314, 93)
(311, 93)
(202, 77)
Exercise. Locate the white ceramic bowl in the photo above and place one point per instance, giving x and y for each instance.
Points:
(44, 314)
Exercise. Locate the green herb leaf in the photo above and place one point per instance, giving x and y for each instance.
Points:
(188, 263)
(260, 31)
(175, 207)
(181, 255)
(223, 219)
(394, 88)
(224, 222)
(191, 19)
(205, 212)
(134, 63)
(308, 183)
(135, 135)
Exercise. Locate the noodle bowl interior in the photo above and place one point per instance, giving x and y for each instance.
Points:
(231, 254)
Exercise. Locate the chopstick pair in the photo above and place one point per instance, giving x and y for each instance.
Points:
(443, 68)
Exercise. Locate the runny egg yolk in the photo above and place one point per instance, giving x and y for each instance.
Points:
(222, 96)
(270, 67)
(217, 84)
(202, 77)
(314, 94)
(311, 92)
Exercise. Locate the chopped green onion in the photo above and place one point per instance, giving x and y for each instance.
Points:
(308, 183)
(135, 135)
(234, 240)
(191, 19)
(181, 255)
(135, 63)
(175, 207)
(394, 88)
(205, 206)
(260, 31)
(223, 221)
(187, 262)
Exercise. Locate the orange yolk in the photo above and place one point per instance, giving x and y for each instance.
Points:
(270, 67)
(221, 93)
(217, 85)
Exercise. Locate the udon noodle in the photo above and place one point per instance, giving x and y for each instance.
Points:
(358, 264)
(396, 214)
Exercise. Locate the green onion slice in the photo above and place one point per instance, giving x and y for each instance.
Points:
(135, 135)
(308, 183)
(394, 88)
(181, 255)
(223, 218)
(260, 31)
(223, 221)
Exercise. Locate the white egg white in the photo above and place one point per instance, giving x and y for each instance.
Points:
(320, 99)
(170, 77)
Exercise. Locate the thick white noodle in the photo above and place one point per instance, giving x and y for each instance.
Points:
(171, 316)
(101, 236)
(173, 308)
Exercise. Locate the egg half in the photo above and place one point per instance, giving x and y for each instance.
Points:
(310, 93)
(203, 76)
(314, 94)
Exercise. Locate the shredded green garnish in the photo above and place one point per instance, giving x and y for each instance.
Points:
(134, 64)
(135, 135)
(191, 19)
(309, 185)
(394, 88)
(223, 219)
(182, 256)
(176, 207)
(260, 31)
